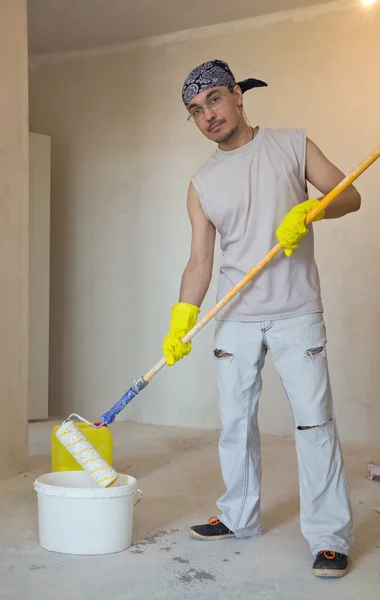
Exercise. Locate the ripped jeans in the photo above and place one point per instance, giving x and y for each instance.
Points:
(299, 354)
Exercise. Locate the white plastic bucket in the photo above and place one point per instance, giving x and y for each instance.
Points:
(76, 516)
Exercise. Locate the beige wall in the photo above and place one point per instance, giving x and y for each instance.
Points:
(13, 235)
(122, 156)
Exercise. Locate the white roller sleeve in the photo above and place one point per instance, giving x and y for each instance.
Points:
(86, 455)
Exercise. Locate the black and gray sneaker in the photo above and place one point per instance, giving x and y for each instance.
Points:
(211, 531)
(330, 564)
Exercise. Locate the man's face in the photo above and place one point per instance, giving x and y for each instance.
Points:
(217, 112)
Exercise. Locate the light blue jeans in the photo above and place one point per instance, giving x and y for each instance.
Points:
(298, 347)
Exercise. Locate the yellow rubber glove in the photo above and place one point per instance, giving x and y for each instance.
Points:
(184, 318)
(292, 228)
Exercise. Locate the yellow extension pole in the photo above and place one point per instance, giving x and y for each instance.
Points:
(330, 197)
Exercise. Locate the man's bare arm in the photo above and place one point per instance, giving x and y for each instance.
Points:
(324, 175)
(197, 275)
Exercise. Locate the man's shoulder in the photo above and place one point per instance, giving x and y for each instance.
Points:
(207, 167)
(285, 133)
(288, 140)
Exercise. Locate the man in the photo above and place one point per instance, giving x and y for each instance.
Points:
(254, 178)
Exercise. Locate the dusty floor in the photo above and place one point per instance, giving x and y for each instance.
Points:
(179, 473)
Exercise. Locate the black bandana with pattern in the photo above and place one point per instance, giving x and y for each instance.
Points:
(214, 73)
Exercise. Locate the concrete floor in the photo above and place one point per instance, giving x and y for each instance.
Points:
(178, 471)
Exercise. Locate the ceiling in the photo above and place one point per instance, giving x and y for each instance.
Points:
(60, 26)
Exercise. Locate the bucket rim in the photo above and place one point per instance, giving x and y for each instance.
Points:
(51, 489)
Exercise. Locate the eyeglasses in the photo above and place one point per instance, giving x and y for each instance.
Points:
(213, 103)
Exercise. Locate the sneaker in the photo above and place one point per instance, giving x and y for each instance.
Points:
(330, 564)
(213, 530)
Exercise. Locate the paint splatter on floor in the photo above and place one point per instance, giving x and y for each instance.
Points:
(180, 560)
(159, 536)
(196, 576)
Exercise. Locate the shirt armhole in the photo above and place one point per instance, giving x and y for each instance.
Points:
(303, 159)
(201, 197)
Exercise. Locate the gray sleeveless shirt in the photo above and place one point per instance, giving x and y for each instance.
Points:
(245, 193)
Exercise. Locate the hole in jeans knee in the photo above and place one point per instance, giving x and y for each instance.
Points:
(222, 354)
(312, 352)
(305, 427)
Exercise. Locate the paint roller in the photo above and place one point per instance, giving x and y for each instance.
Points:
(85, 454)
(81, 448)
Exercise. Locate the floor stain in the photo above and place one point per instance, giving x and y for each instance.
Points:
(36, 567)
(152, 539)
(140, 547)
(196, 576)
(180, 560)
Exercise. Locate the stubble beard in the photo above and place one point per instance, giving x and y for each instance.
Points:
(225, 136)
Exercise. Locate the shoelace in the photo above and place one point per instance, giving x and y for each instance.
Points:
(331, 555)
(215, 521)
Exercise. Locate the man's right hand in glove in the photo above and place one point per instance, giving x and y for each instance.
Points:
(184, 318)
